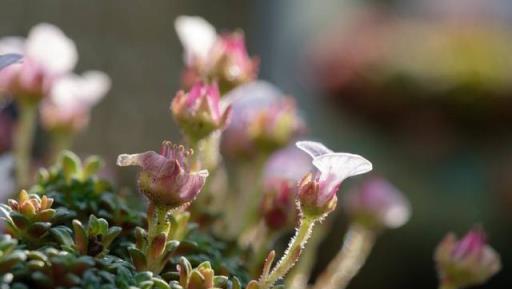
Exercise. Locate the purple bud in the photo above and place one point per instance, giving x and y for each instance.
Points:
(466, 262)
(377, 203)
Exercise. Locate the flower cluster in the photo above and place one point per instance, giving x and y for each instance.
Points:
(216, 209)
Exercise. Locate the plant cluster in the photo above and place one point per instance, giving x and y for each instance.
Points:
(216, 205)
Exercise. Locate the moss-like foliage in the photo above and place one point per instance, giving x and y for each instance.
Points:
(72, 230)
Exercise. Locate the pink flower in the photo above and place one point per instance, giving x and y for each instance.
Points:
(377, 203)
(223, 58)
(263, 120)
(317, 193)
(199, 111)
(71, 99)
(466, 262)
(281, 174)
(166, 178)
(48, 53)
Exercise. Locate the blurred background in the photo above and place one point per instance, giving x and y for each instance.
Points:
(423, 88)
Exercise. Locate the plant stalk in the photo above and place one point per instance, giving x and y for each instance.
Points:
(347, 263)
(23, 141)
(291, 255)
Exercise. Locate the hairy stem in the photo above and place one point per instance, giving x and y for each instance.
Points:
(291, 255)
(23, 140)
(158, 221)
(299, 276)
(347, 263)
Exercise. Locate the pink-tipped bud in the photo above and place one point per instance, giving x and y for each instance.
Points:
(231, 63)
(199, 111)
(466, 262)
(377, 204)
(166, 178)
(223, 58)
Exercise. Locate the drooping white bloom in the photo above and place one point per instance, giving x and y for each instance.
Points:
(319, 192)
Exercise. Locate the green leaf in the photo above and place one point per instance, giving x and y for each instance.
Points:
(62, 235)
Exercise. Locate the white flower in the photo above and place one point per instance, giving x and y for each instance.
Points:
(197, 36)
(318, 194)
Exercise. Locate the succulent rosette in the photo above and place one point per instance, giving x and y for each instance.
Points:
(67, 109)
(469, 261)
(207, 55)
(166, 178)
(317, 192)
(199, 112)
(376, 203)
(48, 53)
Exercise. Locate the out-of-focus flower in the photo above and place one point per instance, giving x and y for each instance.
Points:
(9, 59)
(378, 204)
(71, 99)
(317, 193)
(166, 178)
(199, 111)
(263, 120)
(48, 53)
(223, 58)
(281, 174)
(466, 262)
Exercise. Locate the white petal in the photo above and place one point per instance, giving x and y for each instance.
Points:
(124, 160)
(48, 45)
(314, 149)
(74, 90)
(196, 35)
(12, 44)
(341, 165)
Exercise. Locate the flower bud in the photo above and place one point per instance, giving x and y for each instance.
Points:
(199, 111)
(262, 121)
(317, 193)
(48, 53)
(466, 262)
(231, 64)
(281, 175)
(223, 58)
(166, 179)
(71, 98)
(378, 204)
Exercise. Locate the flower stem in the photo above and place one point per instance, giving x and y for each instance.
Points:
(158, 221)
(23, 141)
(60, 141)
(347, 263)
(291, 255)
(298, 278)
